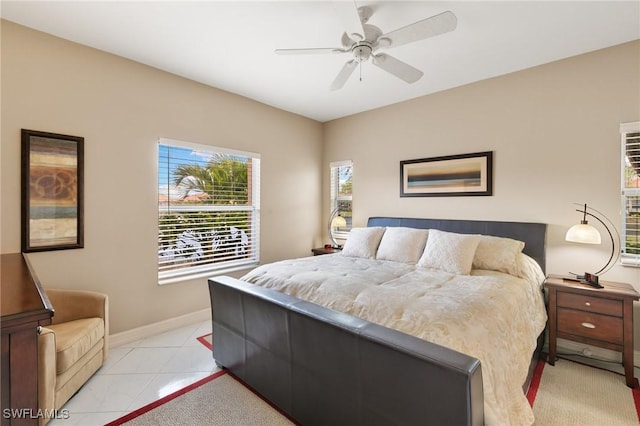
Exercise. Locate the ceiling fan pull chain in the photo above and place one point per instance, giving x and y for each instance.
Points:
(360, 71)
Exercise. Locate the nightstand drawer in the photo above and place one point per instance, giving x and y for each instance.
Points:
(594, 326)
(591, 304)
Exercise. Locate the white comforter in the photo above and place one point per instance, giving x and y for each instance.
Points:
(488, 315)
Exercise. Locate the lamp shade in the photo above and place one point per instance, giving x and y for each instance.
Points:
(583, 233)
(338, 222)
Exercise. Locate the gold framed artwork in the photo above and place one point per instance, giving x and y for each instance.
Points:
(452, 175)
(52, 191)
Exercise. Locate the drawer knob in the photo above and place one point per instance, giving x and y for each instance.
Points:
(588, 325)
(587, 303)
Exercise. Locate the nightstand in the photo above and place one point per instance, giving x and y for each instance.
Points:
(323, 250)
(600, 317)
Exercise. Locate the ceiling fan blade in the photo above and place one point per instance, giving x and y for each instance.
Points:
(344, 74)
(429, 27)
(398, 68)
(347, 11)
(310, 51)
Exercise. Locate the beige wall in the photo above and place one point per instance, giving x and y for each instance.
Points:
(554, 130)
(121, 108)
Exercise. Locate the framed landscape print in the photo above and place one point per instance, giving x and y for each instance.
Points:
(453, 175)
(52, 191)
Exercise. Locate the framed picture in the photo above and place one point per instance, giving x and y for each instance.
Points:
(453, 175)
(52, 191)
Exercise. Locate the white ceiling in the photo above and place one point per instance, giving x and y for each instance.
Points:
(229, 45)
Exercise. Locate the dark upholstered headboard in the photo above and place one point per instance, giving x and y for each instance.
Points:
(532, 234)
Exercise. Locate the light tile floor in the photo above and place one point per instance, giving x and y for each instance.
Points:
(138, 373)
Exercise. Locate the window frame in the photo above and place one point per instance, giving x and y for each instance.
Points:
(211, 268)
(628, 259)
(335, 197)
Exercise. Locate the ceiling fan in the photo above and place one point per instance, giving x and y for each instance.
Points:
(363, 40)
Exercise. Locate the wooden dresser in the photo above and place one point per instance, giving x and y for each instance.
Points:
(600, 317)
(24, 307)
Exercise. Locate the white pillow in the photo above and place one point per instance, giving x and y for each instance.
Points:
(402, 244)
(363, 242)
(529, 269)
(498, 254)
(449, 252)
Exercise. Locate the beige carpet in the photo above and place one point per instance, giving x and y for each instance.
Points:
(566, 394)
(575, 394)
(222, 401)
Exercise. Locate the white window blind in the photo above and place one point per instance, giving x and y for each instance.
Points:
(208, 210)
(342, 194)
(630, 136)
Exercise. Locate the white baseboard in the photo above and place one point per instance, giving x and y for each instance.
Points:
(138, 333)
(577, 348)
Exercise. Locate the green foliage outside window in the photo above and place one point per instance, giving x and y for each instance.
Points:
(190, 232)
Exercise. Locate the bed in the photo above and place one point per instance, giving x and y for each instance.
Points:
(389, 331)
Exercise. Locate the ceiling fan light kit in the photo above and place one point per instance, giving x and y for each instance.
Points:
(362, 40)
(361, 52)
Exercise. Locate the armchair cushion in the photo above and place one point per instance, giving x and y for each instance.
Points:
(74, 339)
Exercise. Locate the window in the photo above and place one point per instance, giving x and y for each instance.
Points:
(630, 135)
(341, 194)
(208, 210)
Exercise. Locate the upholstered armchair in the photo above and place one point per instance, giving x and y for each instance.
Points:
(73, 347)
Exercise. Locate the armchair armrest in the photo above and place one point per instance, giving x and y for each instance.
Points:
(46, 369)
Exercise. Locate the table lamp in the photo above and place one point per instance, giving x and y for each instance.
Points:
(335, 221)
(587, 234)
